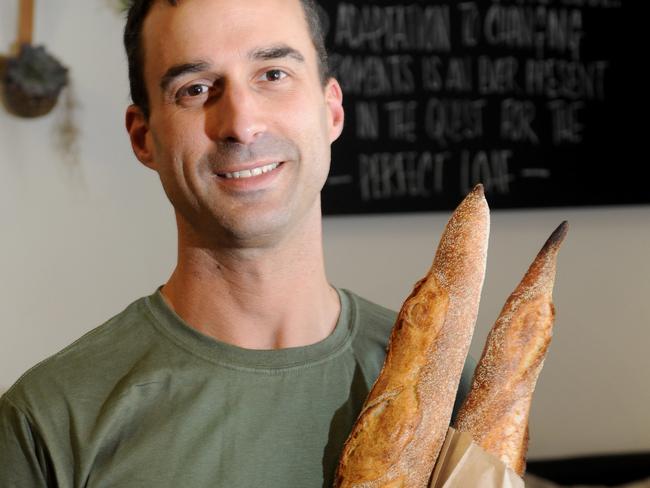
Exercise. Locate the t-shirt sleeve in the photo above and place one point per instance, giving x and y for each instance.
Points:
(22, 460)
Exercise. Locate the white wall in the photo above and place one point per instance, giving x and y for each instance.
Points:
(78, 243)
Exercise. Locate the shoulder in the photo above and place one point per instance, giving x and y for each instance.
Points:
(373, 322)
(370, 325)
(87, 361)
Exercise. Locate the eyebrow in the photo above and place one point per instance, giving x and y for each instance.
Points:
(276, 52)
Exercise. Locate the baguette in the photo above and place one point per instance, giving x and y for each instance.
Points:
(402, 425)
(495, 412)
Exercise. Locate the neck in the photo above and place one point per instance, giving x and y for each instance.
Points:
(263, 298)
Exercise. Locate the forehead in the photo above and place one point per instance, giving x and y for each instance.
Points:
(220, 31)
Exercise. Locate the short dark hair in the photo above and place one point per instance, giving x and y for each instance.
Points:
(137, 11)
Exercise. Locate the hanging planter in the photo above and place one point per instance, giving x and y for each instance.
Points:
(34, 79)
(33, 82)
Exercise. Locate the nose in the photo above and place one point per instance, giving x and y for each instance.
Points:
(237, 115)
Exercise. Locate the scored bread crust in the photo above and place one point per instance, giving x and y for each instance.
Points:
(402, 425)
(495, 412)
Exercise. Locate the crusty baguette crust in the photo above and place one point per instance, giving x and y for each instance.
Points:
(496, 410)
(402, 426)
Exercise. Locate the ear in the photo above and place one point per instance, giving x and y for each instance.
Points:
(138, 128)
(334, 100)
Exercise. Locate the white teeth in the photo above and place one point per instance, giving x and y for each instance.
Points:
(247, 173)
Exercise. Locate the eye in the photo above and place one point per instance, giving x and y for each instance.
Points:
(273, 75)
(195, 90)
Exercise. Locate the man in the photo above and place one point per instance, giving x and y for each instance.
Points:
(247, 368)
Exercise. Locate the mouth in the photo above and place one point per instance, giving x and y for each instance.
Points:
(249, 173)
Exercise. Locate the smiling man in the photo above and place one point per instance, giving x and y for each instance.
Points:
(238, 125)
(246, 368)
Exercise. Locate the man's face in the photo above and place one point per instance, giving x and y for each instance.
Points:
(240, 124)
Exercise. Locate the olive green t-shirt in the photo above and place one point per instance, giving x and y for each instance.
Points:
(146, 401)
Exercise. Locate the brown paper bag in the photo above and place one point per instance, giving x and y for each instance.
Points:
(462, 463)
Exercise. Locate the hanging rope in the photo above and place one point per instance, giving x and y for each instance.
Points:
(25, 22)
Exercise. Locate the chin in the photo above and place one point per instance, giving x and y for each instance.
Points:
(257, 230)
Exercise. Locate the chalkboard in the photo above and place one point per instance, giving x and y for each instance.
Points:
(528, 97)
